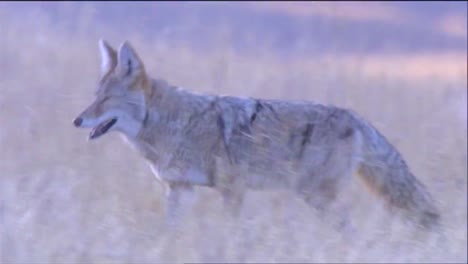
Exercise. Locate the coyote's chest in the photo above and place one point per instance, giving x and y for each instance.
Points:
(168, 163)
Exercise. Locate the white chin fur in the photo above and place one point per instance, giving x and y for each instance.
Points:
(129, 128)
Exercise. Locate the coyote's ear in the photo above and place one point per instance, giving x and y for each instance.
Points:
(108, 57)
(129, 62)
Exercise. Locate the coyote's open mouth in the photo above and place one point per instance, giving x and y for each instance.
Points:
(102, 128)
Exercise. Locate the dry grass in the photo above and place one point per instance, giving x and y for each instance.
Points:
(63, 199)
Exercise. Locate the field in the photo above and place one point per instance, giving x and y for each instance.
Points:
(66, 200)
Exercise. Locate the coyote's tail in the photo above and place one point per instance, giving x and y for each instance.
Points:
(384, 170)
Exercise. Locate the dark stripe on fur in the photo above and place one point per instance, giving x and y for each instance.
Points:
(305, 138)
(258, 108)
(347, 133)
(221, 126)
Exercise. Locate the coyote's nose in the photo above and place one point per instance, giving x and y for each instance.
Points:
(77, 122)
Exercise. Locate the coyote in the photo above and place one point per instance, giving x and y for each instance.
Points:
(233, 144)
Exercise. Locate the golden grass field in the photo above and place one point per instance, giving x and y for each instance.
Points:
(66, 200)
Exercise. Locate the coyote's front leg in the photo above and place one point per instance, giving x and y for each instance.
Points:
(231, 184)
(232, 201)
(180, 198)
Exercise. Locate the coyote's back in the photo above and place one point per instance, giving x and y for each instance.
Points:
(234, 144)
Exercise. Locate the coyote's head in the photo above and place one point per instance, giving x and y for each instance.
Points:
(120, 99)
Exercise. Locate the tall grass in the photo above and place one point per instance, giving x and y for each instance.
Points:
(63, 199)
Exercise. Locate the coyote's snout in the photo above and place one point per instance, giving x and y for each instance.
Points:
(233, 144)
(100, 128)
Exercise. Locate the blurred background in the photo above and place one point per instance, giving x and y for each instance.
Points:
(400, 65)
